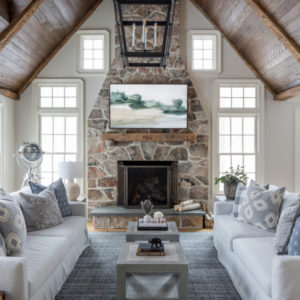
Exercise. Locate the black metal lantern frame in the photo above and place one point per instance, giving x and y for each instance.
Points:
(157, 55)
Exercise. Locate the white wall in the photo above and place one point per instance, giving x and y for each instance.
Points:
(8, 181)
(279, 119)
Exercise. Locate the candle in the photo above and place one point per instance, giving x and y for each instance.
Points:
(133, 35)
(143, 33)
(155, 35)
(145, 39)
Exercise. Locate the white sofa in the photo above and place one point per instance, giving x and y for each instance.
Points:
(47, 260)
(248, 255)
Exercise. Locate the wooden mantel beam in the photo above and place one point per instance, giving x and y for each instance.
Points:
(244, 59)
(9, 93)
(282, 36)
(290, 93)
(16, 25)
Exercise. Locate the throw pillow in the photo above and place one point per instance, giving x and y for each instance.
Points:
(294, 244)
(41, 211)
(286, 223)
(2, 246)
(12, 224)
(60, 193)
(239, 196)
(260, 207)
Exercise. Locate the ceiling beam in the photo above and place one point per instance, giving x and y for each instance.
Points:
(281, 35)
(57, 48)
(290, 93)
(249, 65)
(18, 23)
(9, 93)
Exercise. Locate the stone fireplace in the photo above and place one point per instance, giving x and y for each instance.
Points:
(141, 180)
(104, 156)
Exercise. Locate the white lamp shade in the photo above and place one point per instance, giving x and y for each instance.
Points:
(70, 169)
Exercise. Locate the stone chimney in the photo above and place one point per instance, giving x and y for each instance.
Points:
(192, 157)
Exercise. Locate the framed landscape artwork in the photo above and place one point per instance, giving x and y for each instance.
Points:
(148, 106)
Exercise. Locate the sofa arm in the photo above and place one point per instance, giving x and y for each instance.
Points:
(78, 209)
(13, 278)
(223, 207)
(285, 277)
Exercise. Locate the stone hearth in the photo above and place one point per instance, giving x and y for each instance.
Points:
(103, 156)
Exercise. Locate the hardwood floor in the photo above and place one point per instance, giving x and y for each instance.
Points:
(92, 229)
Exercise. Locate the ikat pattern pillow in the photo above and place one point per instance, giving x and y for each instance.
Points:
(294, 244)
(60, 193)
(239, 196)
(286, 223)
(261, 207)
(12, 224)
(2, 246)
(40, 211)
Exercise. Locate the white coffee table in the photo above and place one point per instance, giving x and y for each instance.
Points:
(152, 277)
(133, 234)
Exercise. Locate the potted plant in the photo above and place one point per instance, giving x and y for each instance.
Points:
(231, 180)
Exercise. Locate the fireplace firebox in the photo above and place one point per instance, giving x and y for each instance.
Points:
(153, 180)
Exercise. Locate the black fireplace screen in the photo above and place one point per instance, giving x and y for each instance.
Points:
(141, 180)
(148, 182)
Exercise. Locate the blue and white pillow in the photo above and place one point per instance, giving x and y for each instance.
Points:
(2, 246)
(60, 193)
(294, 244)
(261, 207)
(239, 196)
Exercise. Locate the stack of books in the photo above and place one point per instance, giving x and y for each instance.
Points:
(144, 249)
(153, 224)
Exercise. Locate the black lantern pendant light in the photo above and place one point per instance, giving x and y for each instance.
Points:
(143, 34)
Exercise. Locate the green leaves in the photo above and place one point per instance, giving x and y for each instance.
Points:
(233, 176)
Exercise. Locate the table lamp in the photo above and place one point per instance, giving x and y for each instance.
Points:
(71, 170)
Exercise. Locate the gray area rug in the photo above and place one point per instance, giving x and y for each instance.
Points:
(94, 274)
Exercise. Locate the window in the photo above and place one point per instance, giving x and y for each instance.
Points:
(204, 51)
(93, 51)
(59, 123)
(237, 118)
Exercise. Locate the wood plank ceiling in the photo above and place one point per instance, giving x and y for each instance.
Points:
(266, 34)
(31, 33)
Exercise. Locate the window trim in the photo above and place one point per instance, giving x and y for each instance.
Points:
(218, 36)
(82, 71)
(79, 110)
(258, 111)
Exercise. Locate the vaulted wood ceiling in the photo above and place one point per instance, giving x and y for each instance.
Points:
(265, 33)
(31, 33)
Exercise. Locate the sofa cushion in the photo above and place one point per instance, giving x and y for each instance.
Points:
(256, 254)
(69, 229)
(261, 207)
(230, 228)
(12, 224)
(43, 255)
(40, 211)
(60, 193)
(286, 224)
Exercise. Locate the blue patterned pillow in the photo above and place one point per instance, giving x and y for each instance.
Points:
(239, 196)
(60, 193)
(261, 207)
(294, 244)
